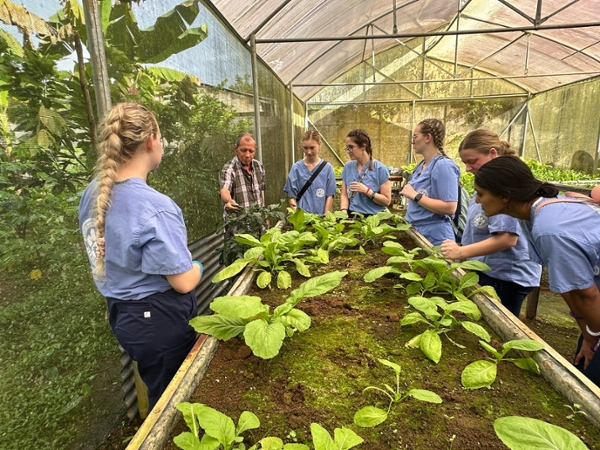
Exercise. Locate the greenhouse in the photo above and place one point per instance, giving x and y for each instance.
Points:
(210, 71)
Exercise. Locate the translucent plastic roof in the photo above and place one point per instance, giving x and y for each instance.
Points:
(551, 44)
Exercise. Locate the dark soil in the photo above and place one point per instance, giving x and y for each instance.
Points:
(352, 327)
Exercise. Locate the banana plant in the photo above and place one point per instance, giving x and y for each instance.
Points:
(263, 331)
(438, 314)
(483, 373)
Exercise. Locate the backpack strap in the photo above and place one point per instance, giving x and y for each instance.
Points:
(560, 200)
(310, 180)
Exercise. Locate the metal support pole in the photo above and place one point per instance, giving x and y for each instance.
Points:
(535, 141)
(524, 140)
(597, 151)
(256, 98)
(340, 160)
(515, 117)
(456, 40)
(292, 143)
(412, 127)
(95, 45)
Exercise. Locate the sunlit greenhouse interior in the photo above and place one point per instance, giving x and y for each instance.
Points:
(529, 70)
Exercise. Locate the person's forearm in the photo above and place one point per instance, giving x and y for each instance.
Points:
(491, 245)
(186, 281)
(328, 204)
(585, 303)
(225, 195)
(438, 206)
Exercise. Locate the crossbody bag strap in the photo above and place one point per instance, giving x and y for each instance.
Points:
(559, 200)
(310, 180)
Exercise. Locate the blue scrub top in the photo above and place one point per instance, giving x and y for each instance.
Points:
(439, 180)
(373, 179)
(146, 239)
(565, 237)
(512, 264)
(323, 186)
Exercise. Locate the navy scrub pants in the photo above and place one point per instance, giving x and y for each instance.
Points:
(511, 294)
(593, 368)
(156, 334)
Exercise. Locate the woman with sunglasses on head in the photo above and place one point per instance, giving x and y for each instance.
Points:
(366, 187)
(433, 188)
(563, 235)
(497, 241)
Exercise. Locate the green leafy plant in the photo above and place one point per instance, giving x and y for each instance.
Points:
(374, 227)
(438, 314)
(263, 332)
(219, 430)
(275, 443)
(483, 373)
(525, 433)
(575, 409)
(271, 253)
(371, 416)
(344, 438)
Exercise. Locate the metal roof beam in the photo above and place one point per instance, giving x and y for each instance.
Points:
(430, 33)
(429, 100)
(267, 19)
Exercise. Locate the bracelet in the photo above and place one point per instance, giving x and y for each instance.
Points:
(591, 333)
(343, 209)
(372, 196)
(575, 316)
(199, 264)
(367, 191)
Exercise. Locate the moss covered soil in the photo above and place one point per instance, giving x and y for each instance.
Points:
(319, 375)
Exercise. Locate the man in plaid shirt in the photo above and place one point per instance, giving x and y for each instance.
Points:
(242, 179)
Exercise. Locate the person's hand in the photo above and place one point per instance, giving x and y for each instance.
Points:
(232, 205)
(355, 186)
(408, 191)
(586, 352)
(451, 250)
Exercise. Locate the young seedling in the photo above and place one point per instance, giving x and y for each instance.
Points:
(263, 332)
(429, 341)
(524, 433)
(575, 409)
(371, 416)
(343, 438)
(483, 373)
(219, 430)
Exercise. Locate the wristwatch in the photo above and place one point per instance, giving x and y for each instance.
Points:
(418, 197)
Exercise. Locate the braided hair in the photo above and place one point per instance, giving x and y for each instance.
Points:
(437, 130)
(360, 138)
(124, 128)
(483, 141)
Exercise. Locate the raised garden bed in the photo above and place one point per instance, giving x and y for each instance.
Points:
(319, 375)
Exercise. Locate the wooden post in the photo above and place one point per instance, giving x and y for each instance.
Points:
(532, 303)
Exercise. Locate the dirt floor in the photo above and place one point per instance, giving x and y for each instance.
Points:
(294, 401)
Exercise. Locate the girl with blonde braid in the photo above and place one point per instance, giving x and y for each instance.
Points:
(136, 242)
(433, 187)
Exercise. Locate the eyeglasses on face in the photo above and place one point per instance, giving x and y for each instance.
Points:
(349, 148)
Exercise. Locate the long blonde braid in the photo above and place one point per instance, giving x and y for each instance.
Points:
(436, 128)
(124, 128)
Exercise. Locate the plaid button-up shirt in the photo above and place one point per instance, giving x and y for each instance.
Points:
(246, 189)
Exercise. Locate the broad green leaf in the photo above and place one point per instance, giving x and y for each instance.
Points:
(52, 120)
(219, 326)
(301, 268)
(190, 415)
(471, 264)
(321, 438)
(264, 279)
(425, 396)
(523, 344)
(378, 272)
(236, 267)
(217, 425)
(488, 291)
(491, 349)
(479, 374)
(414, 342)
(295, 447)
(369, 416)
(264, 339)
(297, 219)
(209, 443)
(284, 280)
(239, 307)
(247, 239)
(525, 433)
(468, 280)
(468, 308)
(248, 421)
(361, 250)
(413, 288)
(271, 442)
(345, 438)
(477, 330)
(399, 260)
(412, 318)
(317, 285)
(429, 280)
(431, 345)
(306, 237)
(422, 303)
(412, 276)
(188, 441)
(390, 364)
(323, 255)
(527, 364)
(253, 253)
(297, 319)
